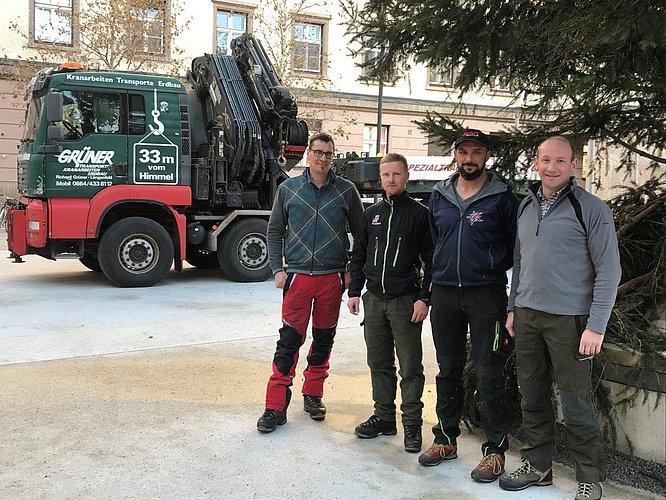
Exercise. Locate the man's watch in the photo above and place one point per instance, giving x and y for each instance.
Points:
(425, 301)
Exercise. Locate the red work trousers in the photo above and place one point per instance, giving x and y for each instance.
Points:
(305, 295)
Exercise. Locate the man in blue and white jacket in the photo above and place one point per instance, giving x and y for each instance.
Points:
(472, 218)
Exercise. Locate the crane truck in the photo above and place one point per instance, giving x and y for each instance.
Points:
(134, 173)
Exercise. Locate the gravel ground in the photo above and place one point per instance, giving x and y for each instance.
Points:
(620, 468)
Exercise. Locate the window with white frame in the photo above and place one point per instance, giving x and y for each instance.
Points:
(370, 139)
(150, 27)
(441, 76)
(308, 40)
(53, 21)
(229, 25)
(501, 84)
(369, 55)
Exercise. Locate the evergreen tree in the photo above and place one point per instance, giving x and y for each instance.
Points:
(589, 68)
(586, 69)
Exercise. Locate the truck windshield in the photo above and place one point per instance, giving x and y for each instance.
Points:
(32, 117)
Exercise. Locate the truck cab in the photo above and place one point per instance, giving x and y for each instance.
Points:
(134, 173)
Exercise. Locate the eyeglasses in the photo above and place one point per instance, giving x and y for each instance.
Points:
(319, 153)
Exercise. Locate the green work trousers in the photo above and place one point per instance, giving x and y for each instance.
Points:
(389, 331)
(546, 345)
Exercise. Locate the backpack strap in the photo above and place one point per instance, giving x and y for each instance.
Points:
(524, 206)
(578, 210)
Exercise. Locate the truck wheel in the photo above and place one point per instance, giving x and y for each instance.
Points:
(90, 262)
(201, 260)
(243, 252)
(135, 252)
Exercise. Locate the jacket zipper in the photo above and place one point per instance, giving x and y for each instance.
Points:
(462, 214)
(492, 260)
(539, 218)
(376, 249)
(388, 240)
(397, 251)
(460, 225)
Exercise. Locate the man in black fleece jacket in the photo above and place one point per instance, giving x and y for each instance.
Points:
(391, 248)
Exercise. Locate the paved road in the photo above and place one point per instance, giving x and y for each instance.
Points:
(154, 393)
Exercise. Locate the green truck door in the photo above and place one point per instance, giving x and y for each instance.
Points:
(94, 154)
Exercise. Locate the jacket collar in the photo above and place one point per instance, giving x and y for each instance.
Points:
(329, 180)
(535, 186)
(496, 185)
(397, 199)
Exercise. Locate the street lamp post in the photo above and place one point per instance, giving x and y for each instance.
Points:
(380, 99)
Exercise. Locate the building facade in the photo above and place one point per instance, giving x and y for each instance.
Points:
(306, 41)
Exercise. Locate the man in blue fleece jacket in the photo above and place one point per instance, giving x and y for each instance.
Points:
(565, 276)
(472, 217)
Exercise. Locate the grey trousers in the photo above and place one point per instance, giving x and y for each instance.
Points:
(388, 331)
(548, 343)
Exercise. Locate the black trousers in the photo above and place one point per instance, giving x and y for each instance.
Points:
(483, 310)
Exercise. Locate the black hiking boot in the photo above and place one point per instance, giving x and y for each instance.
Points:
(375, 426)
(271, 418)
(314, 406)
(413, 438)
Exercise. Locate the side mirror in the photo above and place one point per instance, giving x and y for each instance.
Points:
(53, 133)
(54, 107)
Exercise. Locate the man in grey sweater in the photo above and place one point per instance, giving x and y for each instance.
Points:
(565, 276)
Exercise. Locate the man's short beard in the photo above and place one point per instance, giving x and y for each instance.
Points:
(470, 176)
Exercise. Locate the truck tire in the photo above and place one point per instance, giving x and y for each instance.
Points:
(90, 262)
(135, 252)
(202, 260)
(243, 251)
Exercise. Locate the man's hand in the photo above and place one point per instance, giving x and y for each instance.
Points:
(590, 343)
(347, 279)
(509, 324)
(354, 305)
(280, 279)
(420, 311)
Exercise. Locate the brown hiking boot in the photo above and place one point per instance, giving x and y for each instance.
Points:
(437, 453)
(490, 468)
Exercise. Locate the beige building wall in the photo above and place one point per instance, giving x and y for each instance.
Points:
(345, 116)
(606, 179)
(11, 131)
(341, 104)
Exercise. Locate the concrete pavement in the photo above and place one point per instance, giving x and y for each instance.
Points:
(154, 393)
